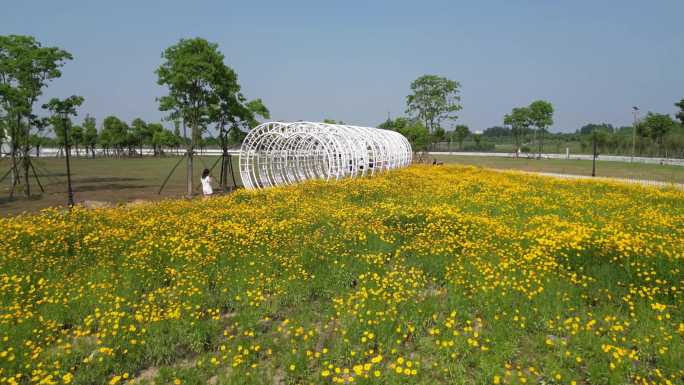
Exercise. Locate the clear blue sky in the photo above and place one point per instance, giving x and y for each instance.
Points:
(354, 61)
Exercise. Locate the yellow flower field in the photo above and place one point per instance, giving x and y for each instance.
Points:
(426, 275)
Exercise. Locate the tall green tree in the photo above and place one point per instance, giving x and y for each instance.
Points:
(89, 134)
(76, 136)
(434, 99)
(26, 67)
(519, 120)
(62, 110)
(541, 117)
(680, 113)
(115, 131)
(656, 126)
(140, 133)
(461, 132)
(154, 129)
(190, 70)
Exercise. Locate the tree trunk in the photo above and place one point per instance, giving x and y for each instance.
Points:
(189, 151)
(15, 171)
(26, 155)
(27, 189)
(189, 176)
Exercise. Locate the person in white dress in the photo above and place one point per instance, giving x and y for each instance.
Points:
(207, 190)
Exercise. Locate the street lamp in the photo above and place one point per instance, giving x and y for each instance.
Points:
(635, 110)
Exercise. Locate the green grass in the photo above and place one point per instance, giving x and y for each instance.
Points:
(115, 180)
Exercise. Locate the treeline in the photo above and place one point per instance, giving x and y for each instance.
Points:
(117, 138)
(203, 93)
(435, 100)
(655, 135)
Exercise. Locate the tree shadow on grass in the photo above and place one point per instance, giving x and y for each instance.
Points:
(96, 179)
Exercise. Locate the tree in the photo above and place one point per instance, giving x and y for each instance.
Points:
(497, 131)
(115, 133)
(61, 111)
(438, 134)
(3, 135)
(232, 114)
(89, 134)
(412, 129)
(332, 121)
(434, 99)
(190, 71)
(37, 142)
(587, 129)
(163, 138)
(140, 133)
(104, 139)
(76, 136)
(26, 67)
(519, 120)
(680, 114)
(599, 136)
(58, 129)
(397, 124)
(656, 126)
(417, 135)
(461, 132)
(155, 129)
(541, 116)
(478, 139)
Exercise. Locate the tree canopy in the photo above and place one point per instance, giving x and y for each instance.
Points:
(26, 67)
(433, 100)
(461, 132)
(656, 126)
(680, 113)
(412, 129)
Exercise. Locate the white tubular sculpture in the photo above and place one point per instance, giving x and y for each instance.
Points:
(279, 153)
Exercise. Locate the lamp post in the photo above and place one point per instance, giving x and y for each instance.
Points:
(635, 110)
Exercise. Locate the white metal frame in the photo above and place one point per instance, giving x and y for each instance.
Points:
(279, 153)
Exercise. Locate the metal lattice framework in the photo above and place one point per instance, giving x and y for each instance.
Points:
(279, 153)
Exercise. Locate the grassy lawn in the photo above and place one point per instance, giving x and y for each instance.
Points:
(105, 179)
(425, 275)
(665, 173)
